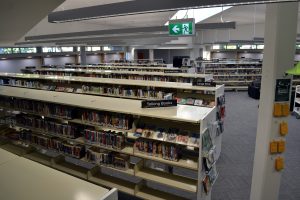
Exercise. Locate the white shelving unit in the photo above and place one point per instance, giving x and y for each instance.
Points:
(188, 117)
(297, 101)
(125, 74)
(108, 66)
(235, 75)
(119, 88)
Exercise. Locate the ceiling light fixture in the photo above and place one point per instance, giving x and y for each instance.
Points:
(199, 14)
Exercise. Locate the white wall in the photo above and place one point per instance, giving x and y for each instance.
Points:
(251, 55)
(93, 59)
(59, 60)
(168, 54)
(226, 55)
(15, 65)
(109, 57)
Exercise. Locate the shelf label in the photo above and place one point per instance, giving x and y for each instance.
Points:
(158, 103)
(205, 84)
(282, 90)
(172, 71)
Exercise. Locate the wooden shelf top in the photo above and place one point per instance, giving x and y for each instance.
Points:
(183, 113)
(144, 83)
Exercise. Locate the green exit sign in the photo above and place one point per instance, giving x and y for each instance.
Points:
(182, 27)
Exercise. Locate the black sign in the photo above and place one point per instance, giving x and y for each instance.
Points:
(282, 90)
(169, 71)
(158, 103)
(205, 84)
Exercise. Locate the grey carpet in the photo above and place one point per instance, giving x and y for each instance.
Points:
(236, 161)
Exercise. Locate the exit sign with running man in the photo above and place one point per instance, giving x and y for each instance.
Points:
(182, 27)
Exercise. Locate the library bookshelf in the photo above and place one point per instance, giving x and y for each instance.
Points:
(67, 113)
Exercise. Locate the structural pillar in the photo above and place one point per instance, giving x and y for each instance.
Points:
(279, 51)
(151, 55)
(82, 55)
(194, 53)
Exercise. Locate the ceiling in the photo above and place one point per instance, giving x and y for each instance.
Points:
(17, 17)
(242, 15)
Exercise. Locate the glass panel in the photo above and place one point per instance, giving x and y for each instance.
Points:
(96, 48)
(260, 46)
(67, 49)
(245, 46)
(47, 49)
(106, 48)
(15, 50)
(231, 46)
(216, 46)
(88, 48)
(58, 49)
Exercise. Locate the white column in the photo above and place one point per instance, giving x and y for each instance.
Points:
(129, 53)
(82, 55)
(194, 53)
(151, 55)
(280, 40)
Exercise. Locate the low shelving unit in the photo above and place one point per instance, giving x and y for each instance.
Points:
(86, 135)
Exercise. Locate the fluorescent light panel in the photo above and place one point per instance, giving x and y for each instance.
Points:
(199, 14)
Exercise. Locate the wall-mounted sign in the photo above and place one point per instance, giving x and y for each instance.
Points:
(158, 103)
(182, 27)
(282, 90)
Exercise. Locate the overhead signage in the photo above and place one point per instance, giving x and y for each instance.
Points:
(182, 27)
(282, 90)
(158, 103)
(205, 84)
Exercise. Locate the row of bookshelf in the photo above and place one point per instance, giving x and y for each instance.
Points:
(110, 132)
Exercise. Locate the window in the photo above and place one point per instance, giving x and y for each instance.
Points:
(88, 48)
(96, 48)
(57, 49)
(216, 46)
(260, 46)
(28, 50)
(48, 50)
(231, 46)
(117, 48)
(67, 49)
(106, 48)
(15, 50)
(245, 46)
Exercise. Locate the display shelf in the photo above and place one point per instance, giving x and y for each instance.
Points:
(96, 125)
(185, 75)
(80, 140)
(149, 193)
(116, 67)
(96, 176)
(297, 100)
(182, 113)
(184, 163)
(39, 157)
(172, 180)
(61, 164)
(156, 84)
(18, 150)
(191, 120)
